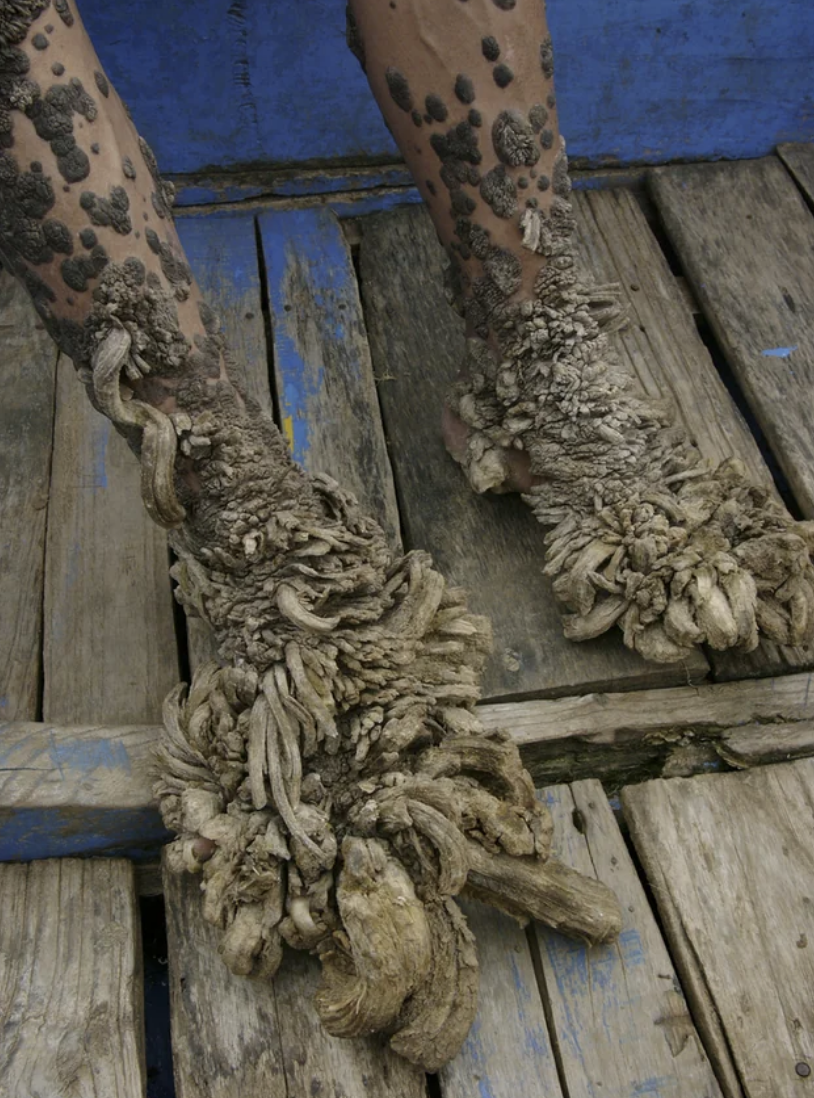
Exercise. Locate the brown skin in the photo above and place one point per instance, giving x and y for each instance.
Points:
(431, 44)
(113, 132)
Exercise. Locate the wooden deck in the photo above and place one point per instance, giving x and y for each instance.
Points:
(688, 788)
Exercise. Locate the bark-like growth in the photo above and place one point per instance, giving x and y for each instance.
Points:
(647, 535)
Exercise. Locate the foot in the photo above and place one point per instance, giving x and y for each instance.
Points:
(646, 535)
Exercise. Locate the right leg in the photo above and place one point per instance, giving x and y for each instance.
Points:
(646, 534)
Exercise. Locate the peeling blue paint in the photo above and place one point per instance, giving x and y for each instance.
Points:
(28, 834)
(778, 352)
(89, 755)
(637, 80)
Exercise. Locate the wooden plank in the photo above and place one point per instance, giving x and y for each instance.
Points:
(225, 1032)
(799, 159)
(669, 361)
(329, 410)
(625, 737)
(77, 791)
(221, 249)
(491, 545)
(71, 790)
(692, 82)
(110, 652)
(732, 856)
(619, 1016)
(508, 1053)
(746, 240)
(71, 997)
(26, 426)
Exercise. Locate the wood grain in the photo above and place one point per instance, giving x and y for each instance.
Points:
(225, 1032)
(71, 996)
(746, 240)
(77, 790)
(619, 1017)
(492, 546)
(221, 249)
(799, 159)
(26, 425)
(730, 860)
(508, 1052)
(329, 410)
(623, 737)
(110, 651)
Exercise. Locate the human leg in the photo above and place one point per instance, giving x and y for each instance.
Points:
(646, 534)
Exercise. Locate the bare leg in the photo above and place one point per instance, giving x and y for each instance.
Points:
(328, 782)
(646, 534)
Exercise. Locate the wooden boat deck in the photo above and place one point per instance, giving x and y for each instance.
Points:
(334, 309)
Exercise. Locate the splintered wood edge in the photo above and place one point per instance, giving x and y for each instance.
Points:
(86, 789)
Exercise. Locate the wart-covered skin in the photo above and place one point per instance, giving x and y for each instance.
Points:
(330, 780)
(646, 535)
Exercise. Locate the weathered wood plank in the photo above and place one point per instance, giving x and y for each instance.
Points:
(225, 1032)
(492, 546)
(508, 1052)
(26, 427)
(222, 251)
(746, 240)
(77, 791)
(622, 737)
(732, 856)
(799, 159)
(329, 411)
(71, 997)
(110, 651)
(620, 1019)
(668, 359)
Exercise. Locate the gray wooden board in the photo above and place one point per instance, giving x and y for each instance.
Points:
(491, 545)
(225, 1032)
(26, 426)
(746, 239)
(110, 651)
(620, 1019)
(329, 410)
(71, 995)
(730, 859)
(508, 1052)
(623, 737)
(799, 159)
(221, 249)
(669, 361)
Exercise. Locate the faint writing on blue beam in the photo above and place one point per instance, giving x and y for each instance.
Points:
(778, 352)
(89, 756)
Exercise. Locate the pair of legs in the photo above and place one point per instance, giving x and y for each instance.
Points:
(331, 781)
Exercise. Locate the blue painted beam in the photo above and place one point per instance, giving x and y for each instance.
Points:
(227, 83)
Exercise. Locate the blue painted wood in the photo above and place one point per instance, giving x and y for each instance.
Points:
(214, 83)
(326, 392)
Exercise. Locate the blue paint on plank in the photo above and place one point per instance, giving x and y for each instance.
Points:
(89, 755)
(637, 80)
(310, 243)
(535, 1038)
(100, 439)
(778, 352)
(475, 1051)
(28, 834)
